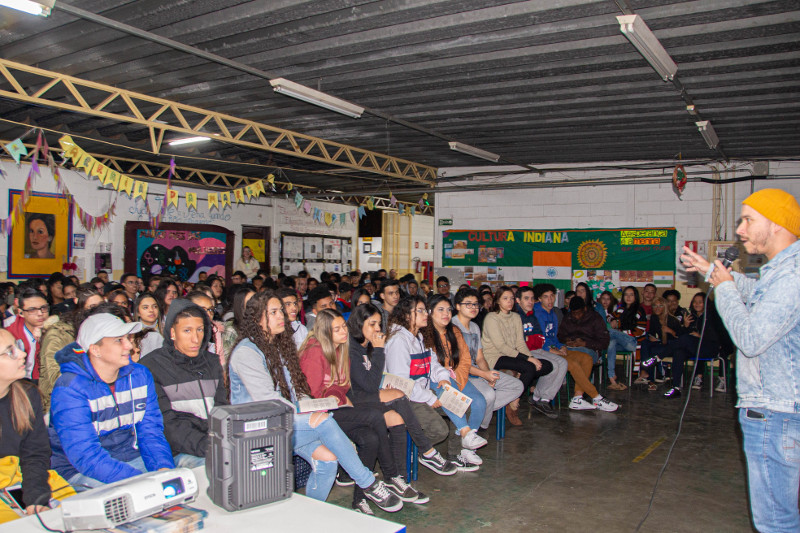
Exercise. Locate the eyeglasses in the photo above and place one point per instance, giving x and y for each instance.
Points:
(15, 351)
(443, 286)
(422, 311)
(471, 305)
(42, 309)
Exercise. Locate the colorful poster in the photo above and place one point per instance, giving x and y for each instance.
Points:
(180, 253)
(621, 256)
(40, 235)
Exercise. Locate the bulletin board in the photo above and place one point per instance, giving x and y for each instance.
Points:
(315, 254)
(181, 250)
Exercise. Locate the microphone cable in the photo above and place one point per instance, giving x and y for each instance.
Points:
(683, 413)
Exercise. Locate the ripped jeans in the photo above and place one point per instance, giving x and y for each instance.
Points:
(306, 439)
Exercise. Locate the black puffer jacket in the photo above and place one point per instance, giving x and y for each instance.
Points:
(187, 387)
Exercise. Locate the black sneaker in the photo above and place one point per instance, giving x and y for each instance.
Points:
(438, 464)
(363, 507)
(401, 489)
(544, 407)
(421, 498)
(674, 392)
(464, 466)
(383, 497)
(343, 480)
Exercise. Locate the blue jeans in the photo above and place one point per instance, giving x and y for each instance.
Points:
(306, 439)
(619, 341)
(476, 409)
(772, 449)
(184, 460)
(81, 482)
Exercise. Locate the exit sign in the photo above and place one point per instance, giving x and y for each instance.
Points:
(445, 221)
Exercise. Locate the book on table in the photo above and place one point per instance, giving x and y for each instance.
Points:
(178, 519)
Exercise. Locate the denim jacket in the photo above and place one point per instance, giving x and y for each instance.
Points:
(763, 319)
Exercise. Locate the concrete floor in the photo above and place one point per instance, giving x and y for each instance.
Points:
(577, 473)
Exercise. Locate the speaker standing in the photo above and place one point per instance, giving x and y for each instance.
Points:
(763, 319)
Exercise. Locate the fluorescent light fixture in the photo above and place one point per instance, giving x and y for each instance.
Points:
(692, 110)
(474, 152)
(189, 140)
(708, 133)
(637, 32)
(307, 94)
(39, 7)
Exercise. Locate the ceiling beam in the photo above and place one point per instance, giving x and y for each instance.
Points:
(160, 116)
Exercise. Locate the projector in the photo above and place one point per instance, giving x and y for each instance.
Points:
(130, 499)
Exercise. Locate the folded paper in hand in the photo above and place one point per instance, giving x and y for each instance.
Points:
(310, 405)
(392, 381)
(454, 401)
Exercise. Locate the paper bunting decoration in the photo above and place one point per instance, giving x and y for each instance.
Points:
(307, 207)
(412, 209)
(112, 178)
(213, 200)
(328, 219)
(126, 185)
(172, 197)
(141, 190)
(371, 203)
(298, 199)
(16, 149)
(271, 180)
(361, 211)
(191, 200)
(392, 201)
(259, 187)
(353, 215)
(225, 199)
(250, 192)
(401, 209)
(238, 194)
(99, 171)
(342, 219)
(289, 186)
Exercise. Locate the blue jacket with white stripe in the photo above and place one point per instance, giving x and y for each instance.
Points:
(95, 432)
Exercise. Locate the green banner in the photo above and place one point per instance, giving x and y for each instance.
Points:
(607, 258)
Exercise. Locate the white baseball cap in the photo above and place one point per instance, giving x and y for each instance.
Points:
(102, 325)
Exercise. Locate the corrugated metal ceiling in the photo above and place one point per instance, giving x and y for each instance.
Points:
(536, 82)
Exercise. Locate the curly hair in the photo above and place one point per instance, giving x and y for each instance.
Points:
(401, 314)
(278, 350)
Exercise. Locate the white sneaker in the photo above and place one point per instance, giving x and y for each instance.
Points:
(605, 404)
(579, 404)
(698, 383)
(470, 456)
(473, 441)
(721, 385)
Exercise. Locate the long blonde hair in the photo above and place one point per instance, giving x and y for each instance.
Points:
(663, 316)
(21, 409)
(323, 333)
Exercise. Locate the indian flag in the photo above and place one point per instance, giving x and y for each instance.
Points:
(553, 267)
(663, 278)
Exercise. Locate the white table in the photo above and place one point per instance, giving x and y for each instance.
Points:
(298, 513)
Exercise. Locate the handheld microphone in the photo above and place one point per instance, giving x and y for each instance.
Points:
(731, 255)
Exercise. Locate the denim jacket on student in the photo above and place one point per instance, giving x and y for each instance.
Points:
(763, 319)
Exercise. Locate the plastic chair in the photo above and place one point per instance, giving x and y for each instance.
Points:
(412, 459)
(500, 432)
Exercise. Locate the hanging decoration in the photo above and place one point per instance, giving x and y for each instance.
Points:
(679, 180)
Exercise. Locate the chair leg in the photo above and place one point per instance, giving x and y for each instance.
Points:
(412, 459)
(500, 433)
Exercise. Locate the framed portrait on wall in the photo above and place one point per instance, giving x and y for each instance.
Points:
(40, 238)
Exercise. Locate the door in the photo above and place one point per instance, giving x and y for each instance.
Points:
(258, 239)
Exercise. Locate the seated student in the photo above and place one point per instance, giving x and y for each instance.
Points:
(648, 295)
(582, 289)
(292, 306)
(412, 287)
(389, 296)
(343, 301)
(105, 424)
(578, 363)
(33, 311)
(407, 357)
(215, 342)
(547, 386)
(697, 325)
(325, 361)
(59, 334)
(166, 292)
(230, 336)
(443, 286)
(424, 289)
(188, 379)
(617, 339)
(583, 329)
(503, 344)
(361, 296)
(661, 340)
(147, 310)
(24, 446)
(264, 366)
(498, 388)
(447, 343)
(367, 360)
(318, 299)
